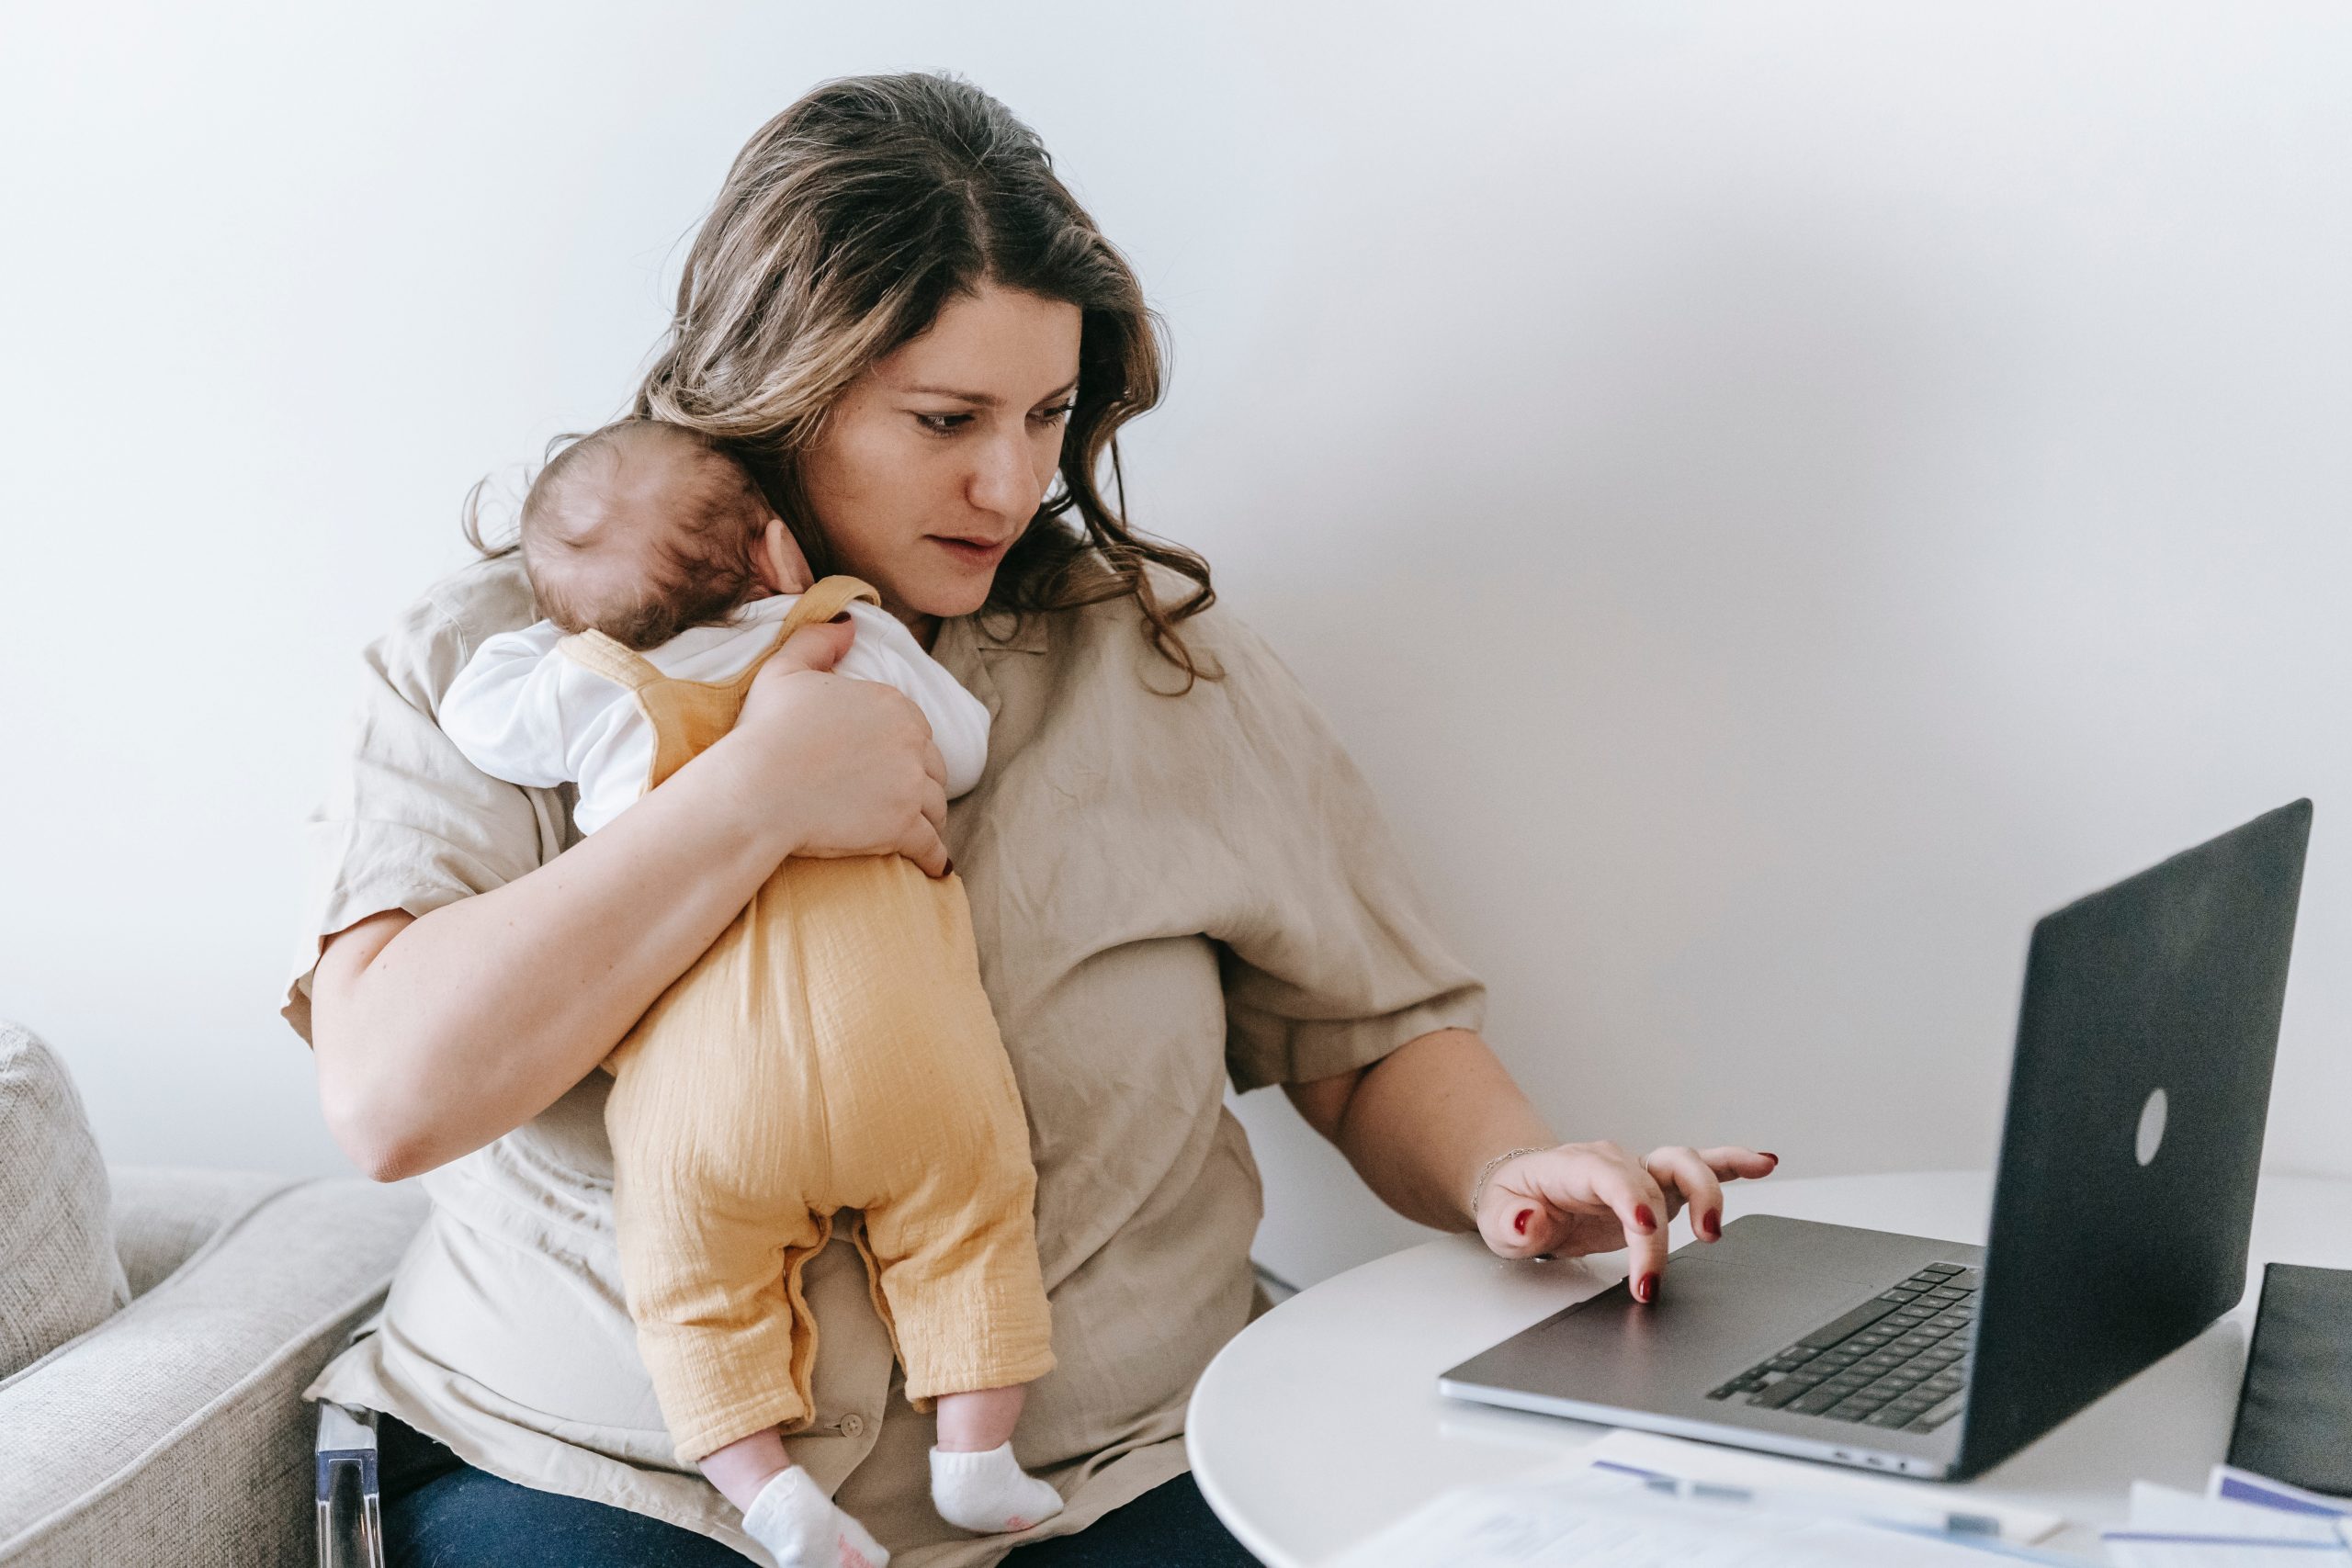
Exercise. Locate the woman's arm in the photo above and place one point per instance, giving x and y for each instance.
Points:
(1421, 1122)
(437, 1034)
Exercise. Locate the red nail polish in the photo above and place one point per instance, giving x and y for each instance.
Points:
(1770, 1154)
(1643, 1218)
(1646, 1288)
(950, 870)
(1519, 1221)
(1713, 1223)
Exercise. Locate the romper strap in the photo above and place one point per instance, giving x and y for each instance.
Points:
(821, 604)
(823, 601)
(601, 655)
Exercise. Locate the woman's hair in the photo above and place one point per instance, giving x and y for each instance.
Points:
(845, 225)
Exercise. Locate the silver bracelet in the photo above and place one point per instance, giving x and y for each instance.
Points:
(1479, 1188)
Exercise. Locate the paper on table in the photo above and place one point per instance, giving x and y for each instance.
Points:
(2166, 1508)
(2171, 1529)
(1760, 1472)
(1577, 1517)
(2230, 1484)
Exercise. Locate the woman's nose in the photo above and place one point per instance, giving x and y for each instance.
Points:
(1002, 481)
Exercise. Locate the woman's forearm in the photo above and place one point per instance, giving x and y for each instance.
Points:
(435, 1035)
(1418, 1124)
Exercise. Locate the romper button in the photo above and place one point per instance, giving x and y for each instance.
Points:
(853, 1424)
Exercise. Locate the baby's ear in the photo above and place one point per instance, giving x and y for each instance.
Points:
(781, 565)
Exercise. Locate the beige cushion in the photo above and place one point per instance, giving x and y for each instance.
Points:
(59, 1272)
(163, 1215)
(175, 1432)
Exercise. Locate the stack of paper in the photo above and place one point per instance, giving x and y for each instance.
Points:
(2242, 1521)
(1575, 1517)
(1632, 1500)
(1710, 1469)
(1636, 1501)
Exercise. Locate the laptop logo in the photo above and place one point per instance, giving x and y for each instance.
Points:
(2152, 1127)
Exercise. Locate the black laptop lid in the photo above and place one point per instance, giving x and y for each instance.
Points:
(2133, 1138)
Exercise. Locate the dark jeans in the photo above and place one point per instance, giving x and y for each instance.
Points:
(440, 1512)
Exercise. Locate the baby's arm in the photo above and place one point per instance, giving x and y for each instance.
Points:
(504, 710)
(886, 651)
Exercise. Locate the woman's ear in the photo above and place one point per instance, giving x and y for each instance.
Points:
(781, 565)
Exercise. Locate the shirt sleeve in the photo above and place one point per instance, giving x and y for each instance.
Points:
(1329, 955)
(407, 822)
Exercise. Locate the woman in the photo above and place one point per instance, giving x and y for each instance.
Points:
(898, 315)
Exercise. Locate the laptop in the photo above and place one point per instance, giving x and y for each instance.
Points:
(2120, 1214)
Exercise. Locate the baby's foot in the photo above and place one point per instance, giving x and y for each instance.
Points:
(989, 1494)
(801, 1528)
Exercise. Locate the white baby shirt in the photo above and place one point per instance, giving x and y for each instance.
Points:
(522, 712)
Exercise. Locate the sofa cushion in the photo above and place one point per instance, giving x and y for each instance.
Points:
(177, 1433)
(59, 1272)
(165, 1216)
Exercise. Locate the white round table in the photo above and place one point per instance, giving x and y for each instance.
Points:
(1321, 1422)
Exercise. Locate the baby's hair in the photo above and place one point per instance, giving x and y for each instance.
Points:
(699, 570)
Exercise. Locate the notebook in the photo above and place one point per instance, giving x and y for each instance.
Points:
(2295, 1407)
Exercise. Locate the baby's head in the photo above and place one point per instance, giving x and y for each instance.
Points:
(644, 528)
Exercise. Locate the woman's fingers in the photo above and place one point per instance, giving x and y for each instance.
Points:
(811, 648)
(1633, 1194)
(857, 758)
(1733, 1163)
(935, 803)
(1511, 1219)
(1686, 1178)
(923, 845)
(1582, 1198)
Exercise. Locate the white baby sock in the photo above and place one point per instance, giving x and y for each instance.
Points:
(989, 1494)
(800, 1527)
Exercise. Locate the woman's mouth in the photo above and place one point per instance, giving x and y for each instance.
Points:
(972, 552)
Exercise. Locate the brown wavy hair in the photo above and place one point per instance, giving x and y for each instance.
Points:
(844, 225)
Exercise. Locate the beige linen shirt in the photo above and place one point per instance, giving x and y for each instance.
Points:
(1168, 892)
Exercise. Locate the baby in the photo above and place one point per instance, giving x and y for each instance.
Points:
(833, 1049)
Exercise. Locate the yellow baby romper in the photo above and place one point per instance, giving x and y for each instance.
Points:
(833, 1050)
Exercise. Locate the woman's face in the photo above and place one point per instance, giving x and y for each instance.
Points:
(935, 459)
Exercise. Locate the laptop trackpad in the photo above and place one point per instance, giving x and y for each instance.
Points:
(1721, 1308)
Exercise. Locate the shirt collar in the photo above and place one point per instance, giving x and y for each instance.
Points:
(998, 631)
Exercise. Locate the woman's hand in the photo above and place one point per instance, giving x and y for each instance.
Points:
(1581, 1198)
(1418, 1122)
(842, 767)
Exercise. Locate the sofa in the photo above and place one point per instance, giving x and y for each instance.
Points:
(157, 1329)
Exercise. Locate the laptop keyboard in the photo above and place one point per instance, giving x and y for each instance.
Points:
(1900, 1359)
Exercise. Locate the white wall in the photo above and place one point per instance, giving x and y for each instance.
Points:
(1776, 495)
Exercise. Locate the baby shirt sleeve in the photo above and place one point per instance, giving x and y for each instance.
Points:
(884, 650)
(505, 710)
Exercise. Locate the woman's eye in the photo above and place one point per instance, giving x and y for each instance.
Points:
(942, 424)
(1058, 411)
